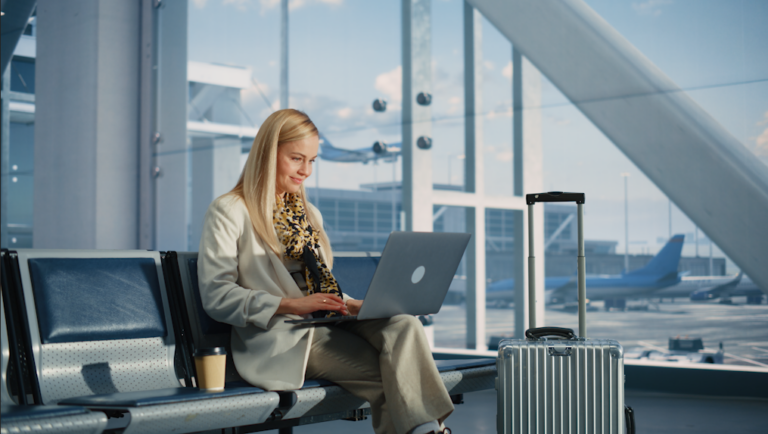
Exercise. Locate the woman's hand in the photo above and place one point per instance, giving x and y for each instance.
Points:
(312, 303)
(354, 306)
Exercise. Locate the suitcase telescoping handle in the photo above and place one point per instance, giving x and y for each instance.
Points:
(557, 196)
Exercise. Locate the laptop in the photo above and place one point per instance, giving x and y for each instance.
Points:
(413, 276)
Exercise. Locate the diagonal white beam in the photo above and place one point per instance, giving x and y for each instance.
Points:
(559, 229)
(204, 100)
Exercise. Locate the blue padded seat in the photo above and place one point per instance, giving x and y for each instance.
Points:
(317, 383)
(157, 397)
(459, 364)
(121, 297)
(355, 273)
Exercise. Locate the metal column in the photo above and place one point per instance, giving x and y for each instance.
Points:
(417, 118)
(171, 150)
(284, 54)
(5, 157)
(86, 125)
(474, 177)
(147, 100)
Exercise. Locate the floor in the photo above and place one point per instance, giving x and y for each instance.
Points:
(654, 413)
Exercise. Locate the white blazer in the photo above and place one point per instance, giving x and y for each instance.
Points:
(242, 283)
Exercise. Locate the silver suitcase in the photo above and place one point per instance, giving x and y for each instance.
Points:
(554, 381)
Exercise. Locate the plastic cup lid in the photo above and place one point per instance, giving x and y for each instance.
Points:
(215, 351)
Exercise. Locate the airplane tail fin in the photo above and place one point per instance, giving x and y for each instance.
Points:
(665, 263)
(324, 143)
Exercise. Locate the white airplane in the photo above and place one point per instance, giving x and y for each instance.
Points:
(379, 151)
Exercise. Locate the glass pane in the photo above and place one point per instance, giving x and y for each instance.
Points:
(23, 75)
(448, 95)
(21, 184)
(497, 112)
(450, 323)
(499, 272)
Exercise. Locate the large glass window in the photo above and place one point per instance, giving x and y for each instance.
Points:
(341, 57)
(21, 185)
(451, 322)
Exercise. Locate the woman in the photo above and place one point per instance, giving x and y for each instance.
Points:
(265, 258)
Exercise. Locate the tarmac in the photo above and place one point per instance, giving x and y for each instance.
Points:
(742, 328)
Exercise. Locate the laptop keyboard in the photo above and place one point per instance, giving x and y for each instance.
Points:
(322, 320)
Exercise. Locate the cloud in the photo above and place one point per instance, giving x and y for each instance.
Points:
(344, 113)
(504, 156)
(507, 70)
(200, 4)
(489, 65)
(650, 7)
(391, 84)
(267, 5)
(240, 5)
(764, 121)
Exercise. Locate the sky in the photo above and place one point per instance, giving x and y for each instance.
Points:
(345, 53)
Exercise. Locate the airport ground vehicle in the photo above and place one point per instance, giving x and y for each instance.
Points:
(683, 350)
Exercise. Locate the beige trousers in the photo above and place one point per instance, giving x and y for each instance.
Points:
(388, 363)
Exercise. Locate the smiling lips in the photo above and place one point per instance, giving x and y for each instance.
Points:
(296, 180)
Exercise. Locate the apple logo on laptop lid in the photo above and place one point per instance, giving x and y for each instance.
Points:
(418, 274)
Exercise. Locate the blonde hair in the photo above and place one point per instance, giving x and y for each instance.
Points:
(256, 185)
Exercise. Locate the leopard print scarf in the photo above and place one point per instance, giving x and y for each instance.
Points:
(301, 242)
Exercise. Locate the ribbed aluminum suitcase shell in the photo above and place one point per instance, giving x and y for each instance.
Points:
(560, 386)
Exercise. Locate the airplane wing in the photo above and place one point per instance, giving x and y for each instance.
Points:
(717, 291)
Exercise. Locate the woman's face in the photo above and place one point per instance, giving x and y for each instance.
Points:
(294, 163)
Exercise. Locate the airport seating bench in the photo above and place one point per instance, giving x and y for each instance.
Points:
(101, 336)
(40, 418)
(111, 333)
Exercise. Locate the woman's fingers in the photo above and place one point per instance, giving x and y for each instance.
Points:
(354, 306)
(328, 302)
(332, 297)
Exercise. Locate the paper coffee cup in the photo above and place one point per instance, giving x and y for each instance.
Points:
(211, 365)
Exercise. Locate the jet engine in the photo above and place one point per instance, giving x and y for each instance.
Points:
(380, 148)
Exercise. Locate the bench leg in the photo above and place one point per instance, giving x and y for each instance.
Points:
(287, 430)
